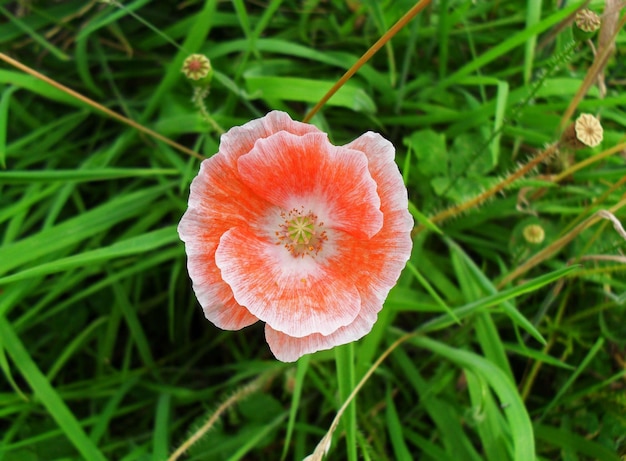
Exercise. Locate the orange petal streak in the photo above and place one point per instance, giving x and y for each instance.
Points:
(293, 171)
(295, 295)
(218, 202)
(379, 261)
(214, 295)
(372, 265)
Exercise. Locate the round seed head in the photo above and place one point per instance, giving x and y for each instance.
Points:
(588, 130)
(587, 21)
(197, 67)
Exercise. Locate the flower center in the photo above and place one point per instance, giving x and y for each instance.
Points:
(300, 233)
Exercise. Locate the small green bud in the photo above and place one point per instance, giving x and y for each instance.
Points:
(587, 24)
(197, 68)
(533, 233)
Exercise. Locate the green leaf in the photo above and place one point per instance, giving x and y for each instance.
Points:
(76, 229)
(47, 394)
(310, 91)
(511, 403)
(430, 149)
(470, 156)
(135, 245)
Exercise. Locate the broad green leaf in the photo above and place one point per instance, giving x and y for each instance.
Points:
(430, 149)
(46, 393)
(309, 90)
(76, 229)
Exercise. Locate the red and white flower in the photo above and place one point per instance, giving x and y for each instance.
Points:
(286, 228)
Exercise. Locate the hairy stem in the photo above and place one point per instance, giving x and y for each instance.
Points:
(479, 199)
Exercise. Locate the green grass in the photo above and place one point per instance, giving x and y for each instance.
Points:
(104, 351)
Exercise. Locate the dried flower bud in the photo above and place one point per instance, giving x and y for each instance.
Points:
(534, 233)
(586, 131)
(587, 21)
(197, 67)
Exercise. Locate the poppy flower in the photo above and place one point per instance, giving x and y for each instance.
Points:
(286, 228)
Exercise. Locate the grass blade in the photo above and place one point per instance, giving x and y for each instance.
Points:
(47, 395)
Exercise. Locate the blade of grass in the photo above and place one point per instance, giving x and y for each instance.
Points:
(443, 413)
(298, 380)
(4, 120)
(162, 421)
(6, 369)
(563, 439)
(487, 419)
(98, 430)
(45, 44)
(431, 291)
(47, 394)
(486, 332)
(73, 347)
(78, 228)
(486, 285)
(253, 441)
(103, 174)
(565, 387)
(512, 404)
(132, 246)
(441, 322)
(533, 15)
(502, 48)
(344, 359)
(137, 332)
(394, 428)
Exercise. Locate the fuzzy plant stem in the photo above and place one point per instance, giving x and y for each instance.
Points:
(198, 99)
(239, 395)
(502, 185)
(560, 243)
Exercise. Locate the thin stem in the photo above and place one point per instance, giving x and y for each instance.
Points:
(524, 170)
(536, 368)
(588, 161)
(419, 6)
(560, 243)
(324, 444)
(597, 66)
(236, 397)
(198, 99)
(154, 29)
(344, 359)
(100, 107)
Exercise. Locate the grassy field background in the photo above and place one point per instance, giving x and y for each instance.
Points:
(512, 346)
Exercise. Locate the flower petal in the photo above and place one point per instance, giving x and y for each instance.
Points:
(239, 140)
(293, 171)
(289, 349)
(214, 295)
(218, 201)
(380, 260)
(375, 264)
(382, 166)
(297, 296)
